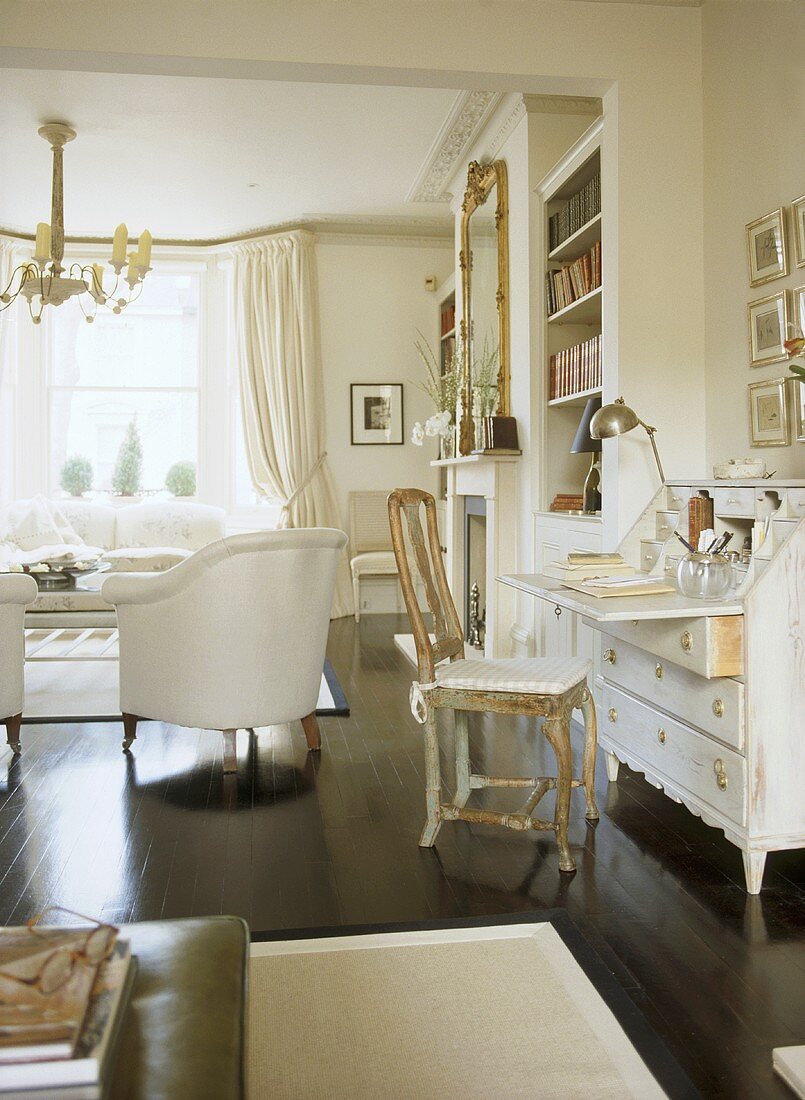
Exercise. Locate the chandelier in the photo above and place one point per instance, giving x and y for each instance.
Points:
(42, 280)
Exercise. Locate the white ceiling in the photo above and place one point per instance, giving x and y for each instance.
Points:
(190, 157)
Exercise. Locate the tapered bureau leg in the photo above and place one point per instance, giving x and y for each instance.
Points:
(590, 750)
(754, 864)
(613, 764)
(230, 751)
(12, 724)
(129, 729)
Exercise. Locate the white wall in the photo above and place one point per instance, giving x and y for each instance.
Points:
(372, 301)
(754, 121)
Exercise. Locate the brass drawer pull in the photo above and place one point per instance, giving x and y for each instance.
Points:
(718, 708)
(659, 671)
(721, 774)
(686, 641)
(613, 714)
(661, 736)
(609, 656)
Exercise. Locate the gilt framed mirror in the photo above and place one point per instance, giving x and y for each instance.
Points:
(484, 267)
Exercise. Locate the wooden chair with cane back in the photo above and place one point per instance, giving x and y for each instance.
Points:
(545, 688)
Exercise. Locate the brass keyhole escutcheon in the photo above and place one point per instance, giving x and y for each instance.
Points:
(661, 736)
(557, 611)
(613, 714)
(721, 774)
(659, 671)
(686, 641)
(609, 656)
(718, 708)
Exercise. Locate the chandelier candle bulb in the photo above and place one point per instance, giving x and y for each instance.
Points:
(119, 242)
(132, 275)
(42, 247)
(97, 282)
(144, 250)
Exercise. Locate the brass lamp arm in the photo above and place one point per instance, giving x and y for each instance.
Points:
(650, 432)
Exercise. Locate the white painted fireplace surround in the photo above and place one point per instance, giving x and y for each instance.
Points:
(493, 477)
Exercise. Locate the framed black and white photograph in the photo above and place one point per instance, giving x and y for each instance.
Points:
(798, 217)
(765, 242)
(377, 412)
(768, 328)
(768, 413)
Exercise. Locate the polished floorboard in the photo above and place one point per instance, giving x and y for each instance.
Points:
(304, 841)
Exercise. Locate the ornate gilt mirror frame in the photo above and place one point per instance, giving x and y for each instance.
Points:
(481, 178)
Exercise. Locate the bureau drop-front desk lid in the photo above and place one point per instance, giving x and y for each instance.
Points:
(612, 609)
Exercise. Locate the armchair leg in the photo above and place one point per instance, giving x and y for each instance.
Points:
(590, 750)
(557, 730)
(129, 729)
(12, 724)
(230, 751)
(312, 732)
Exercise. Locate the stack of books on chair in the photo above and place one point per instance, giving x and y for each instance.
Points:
(59, 1044)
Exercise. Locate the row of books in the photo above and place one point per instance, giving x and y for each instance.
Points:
(567, 502)
(572, 281)
(577, 211)
(448, 318)
(576, 369)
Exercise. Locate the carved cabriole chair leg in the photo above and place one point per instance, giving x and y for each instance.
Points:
(312, 733)
(230, 751)
(433, 783)
(462, 757)
(12, 724)
(590, 750)
(557, 730)
(129, 729)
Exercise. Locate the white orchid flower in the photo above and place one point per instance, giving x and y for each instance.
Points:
(417, 434)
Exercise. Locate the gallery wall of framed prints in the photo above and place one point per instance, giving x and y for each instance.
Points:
(777, 405)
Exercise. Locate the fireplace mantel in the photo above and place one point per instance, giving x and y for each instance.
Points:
(463, 460)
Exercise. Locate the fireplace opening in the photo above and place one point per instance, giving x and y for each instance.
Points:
(475, 570)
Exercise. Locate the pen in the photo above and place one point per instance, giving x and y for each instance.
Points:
(684, 542)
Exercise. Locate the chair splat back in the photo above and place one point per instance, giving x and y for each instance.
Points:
(426, 557)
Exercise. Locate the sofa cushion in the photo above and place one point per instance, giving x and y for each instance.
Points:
(170, 523)
(93, 522)
(145, 559)
(28, 524)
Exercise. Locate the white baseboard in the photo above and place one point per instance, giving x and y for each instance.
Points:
(522, 641)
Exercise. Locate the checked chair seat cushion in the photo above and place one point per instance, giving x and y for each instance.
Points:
(535, 675)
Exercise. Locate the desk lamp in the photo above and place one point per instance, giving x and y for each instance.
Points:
(584, 443)
(617, 418)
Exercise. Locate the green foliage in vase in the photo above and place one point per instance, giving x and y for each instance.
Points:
(181, 479)
(76, 475)
(485, 380)
(128, 472)
(441, 388)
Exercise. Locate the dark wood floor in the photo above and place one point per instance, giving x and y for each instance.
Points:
(298, 840)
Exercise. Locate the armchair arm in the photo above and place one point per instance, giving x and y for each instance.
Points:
(143, 588)
(17, 588)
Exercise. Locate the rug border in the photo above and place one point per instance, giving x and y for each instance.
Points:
(665, 1068)
(340, 708)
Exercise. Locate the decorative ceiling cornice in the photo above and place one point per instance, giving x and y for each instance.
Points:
(464, 122)
(528, 104)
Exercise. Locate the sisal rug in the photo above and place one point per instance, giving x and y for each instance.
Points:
(457, 1013)
(72, 676)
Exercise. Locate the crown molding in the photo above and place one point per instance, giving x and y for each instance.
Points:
(423, 230)
(465, 120)
(562, 104)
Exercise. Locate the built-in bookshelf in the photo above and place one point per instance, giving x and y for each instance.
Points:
(573, 292)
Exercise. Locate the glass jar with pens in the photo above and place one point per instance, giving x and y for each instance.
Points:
(706, 574)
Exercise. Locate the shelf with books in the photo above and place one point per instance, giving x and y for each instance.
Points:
(575, 399)
(584, 311)
(579, 242)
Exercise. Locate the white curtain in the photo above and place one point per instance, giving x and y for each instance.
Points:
(8, 258)
(277, 334)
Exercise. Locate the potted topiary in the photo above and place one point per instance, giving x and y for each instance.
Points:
(128, 472)
(181, 479)
(76, 476)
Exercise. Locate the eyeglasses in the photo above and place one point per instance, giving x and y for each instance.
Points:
(59, 966)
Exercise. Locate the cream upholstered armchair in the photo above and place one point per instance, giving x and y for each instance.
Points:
(16, 590)
(232, 638)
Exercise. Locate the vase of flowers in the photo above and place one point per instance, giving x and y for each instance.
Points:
(442, 387)
(484, 390)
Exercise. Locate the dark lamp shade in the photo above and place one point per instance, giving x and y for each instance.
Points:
(583, 442)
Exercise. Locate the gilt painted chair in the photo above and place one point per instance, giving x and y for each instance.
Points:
(547, 688)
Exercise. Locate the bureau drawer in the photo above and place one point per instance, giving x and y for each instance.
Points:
(650, 551)
(796, 502)
(666, 524)
(678, 496)
(710, 646)
(712, 773)
(714, 706)
(734, 502)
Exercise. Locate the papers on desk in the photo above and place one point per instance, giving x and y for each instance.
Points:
(601, 587)
(580, 566)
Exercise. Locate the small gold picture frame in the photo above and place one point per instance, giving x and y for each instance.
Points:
(765, 244)
(798, 217)
(768, 328)
(768, 413)
(798, 390)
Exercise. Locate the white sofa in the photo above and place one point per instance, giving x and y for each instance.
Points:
(16, 590)
(231, 639)
(148, 537)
